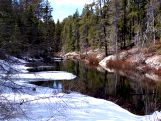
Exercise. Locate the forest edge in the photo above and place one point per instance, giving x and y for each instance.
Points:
(144, 61)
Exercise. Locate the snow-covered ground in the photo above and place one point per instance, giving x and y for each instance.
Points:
(6, 66)
(43, 104)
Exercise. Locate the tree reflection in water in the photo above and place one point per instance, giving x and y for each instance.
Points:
(138, 95)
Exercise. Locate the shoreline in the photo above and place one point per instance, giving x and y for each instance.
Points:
(135, 60)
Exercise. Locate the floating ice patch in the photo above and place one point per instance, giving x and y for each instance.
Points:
(46, 75)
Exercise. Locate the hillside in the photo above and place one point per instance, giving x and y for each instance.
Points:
(145, 60)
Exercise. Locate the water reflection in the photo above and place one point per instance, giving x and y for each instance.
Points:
(137, 96)
(55, 85)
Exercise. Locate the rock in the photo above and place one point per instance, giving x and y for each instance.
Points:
(100, 69)
(104, 62)
(100, 56)
(123, 55)
(153, 77)
(133, 50)
(137, 58)
(72, 55)
(154, 61)
(89, 52)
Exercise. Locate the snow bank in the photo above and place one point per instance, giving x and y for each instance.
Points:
(6, 67)
(13, 59)
(43, 106)
(156, 116)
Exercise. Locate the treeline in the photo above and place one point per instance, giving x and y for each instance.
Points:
(26, 27)
(112, 24)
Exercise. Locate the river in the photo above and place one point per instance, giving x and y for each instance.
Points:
(140, 97)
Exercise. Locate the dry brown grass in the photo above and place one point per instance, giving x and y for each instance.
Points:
(120, 64)
(82, 56)
(93, 61)
(147, 69)
(153, 48)
(153, 70)
(157, 71)
(128, 65)
(90, 59)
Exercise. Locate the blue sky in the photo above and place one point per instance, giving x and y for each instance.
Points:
(64, 8)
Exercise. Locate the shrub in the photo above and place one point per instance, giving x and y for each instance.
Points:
(93, 61)
(90, 59)
(82, 56)
(157, 71)
(147, 69)
(120, 64)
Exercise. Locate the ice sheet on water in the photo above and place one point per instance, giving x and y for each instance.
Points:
(46, 75)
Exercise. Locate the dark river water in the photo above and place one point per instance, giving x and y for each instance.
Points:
(138, 96)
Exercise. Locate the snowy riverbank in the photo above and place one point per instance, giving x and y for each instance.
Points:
(36, 103)
(143, 60)
(135, 62)
(43, 104)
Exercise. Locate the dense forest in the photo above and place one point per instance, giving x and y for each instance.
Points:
(113, 25)
(27, 27)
